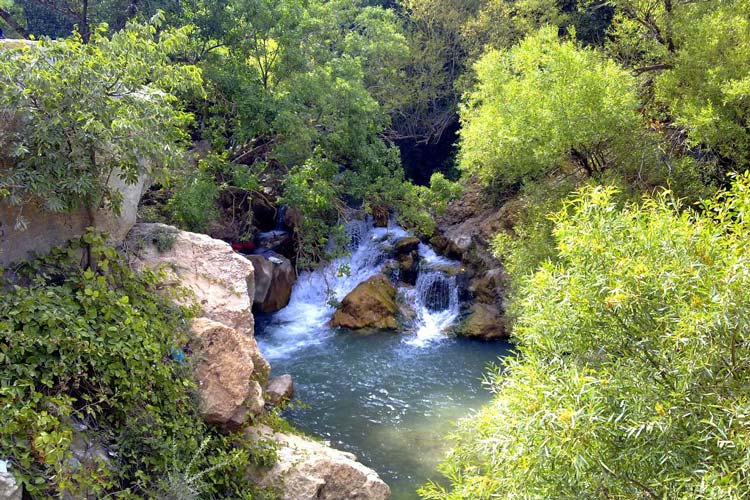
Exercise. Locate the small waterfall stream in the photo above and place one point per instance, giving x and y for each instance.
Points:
(387, 397)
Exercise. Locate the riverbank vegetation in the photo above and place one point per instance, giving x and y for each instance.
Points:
(619, 129)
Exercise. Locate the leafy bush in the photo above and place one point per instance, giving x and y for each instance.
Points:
(542, 101)
(632, 376)
(93, 346)
(73, 115)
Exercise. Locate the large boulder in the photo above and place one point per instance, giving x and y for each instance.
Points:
(307, 470)
(274, 279)
(221, 281)
(372, 304)
(223, 370)
(485, 322)
(406, 245)
(44, 230)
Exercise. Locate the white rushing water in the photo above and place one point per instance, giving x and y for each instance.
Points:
(434, 299)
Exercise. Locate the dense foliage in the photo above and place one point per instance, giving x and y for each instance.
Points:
(75, 116)
(542, 101)
(631, 380)
(72, 343)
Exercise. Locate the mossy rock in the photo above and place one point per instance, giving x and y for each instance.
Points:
(372, 304)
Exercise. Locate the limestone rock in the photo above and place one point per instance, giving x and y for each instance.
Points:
(45, 230)
(223, 367)
(485, 321)
(371, 304)
(221, 281)
(274, 278)
(262, 368)
(279, 389)
(306, 470)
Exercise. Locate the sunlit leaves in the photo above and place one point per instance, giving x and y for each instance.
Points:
(632, 376)
(540, 102)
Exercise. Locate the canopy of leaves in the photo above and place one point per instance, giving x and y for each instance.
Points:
(540, 102)
(72, 115)
(631, 379)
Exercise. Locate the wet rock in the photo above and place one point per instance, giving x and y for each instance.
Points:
(371, 304)
(380, 215)
(408, 266)
(220, 281)
(292, 218)
(274, 278)
(406, 245)
(279, 390)
(307, 470)
(485, 322)
(223, 370)
(9, 487)
(487, 287)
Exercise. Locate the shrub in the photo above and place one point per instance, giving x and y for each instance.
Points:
(78, 114)
(632, 376)
(93, 346)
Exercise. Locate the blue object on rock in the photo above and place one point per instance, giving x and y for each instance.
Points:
(177, 354)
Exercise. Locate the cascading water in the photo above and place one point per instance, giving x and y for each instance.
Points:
(387, 397)
(436, 303)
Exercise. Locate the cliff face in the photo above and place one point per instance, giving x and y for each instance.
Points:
(465, 231)
(32, 229)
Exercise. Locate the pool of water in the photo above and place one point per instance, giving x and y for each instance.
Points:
(388, 397)
(386, 400)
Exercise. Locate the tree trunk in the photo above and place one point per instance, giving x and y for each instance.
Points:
(8, 18)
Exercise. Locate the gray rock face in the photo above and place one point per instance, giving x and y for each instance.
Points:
(45, 230)
(279, 389)
(306, 470)
(274, 279)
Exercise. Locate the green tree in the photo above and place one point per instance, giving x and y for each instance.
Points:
(631, 379)
(542, 103)
(75, 114)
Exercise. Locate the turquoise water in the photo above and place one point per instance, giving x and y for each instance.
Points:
(387, 401)
(390, 398)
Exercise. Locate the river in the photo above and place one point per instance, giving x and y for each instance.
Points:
(388, 397)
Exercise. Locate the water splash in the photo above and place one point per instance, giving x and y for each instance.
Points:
(437, 306)
(303, 323)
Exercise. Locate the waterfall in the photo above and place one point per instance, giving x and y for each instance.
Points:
(304, 321)
(436, 304)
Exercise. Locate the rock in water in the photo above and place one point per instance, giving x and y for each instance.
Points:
(371, 304)
(223, 371)
(485, 321)
(279, 389)
(306, 470)
(274, 279)
(221, 281)
(406, 245)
